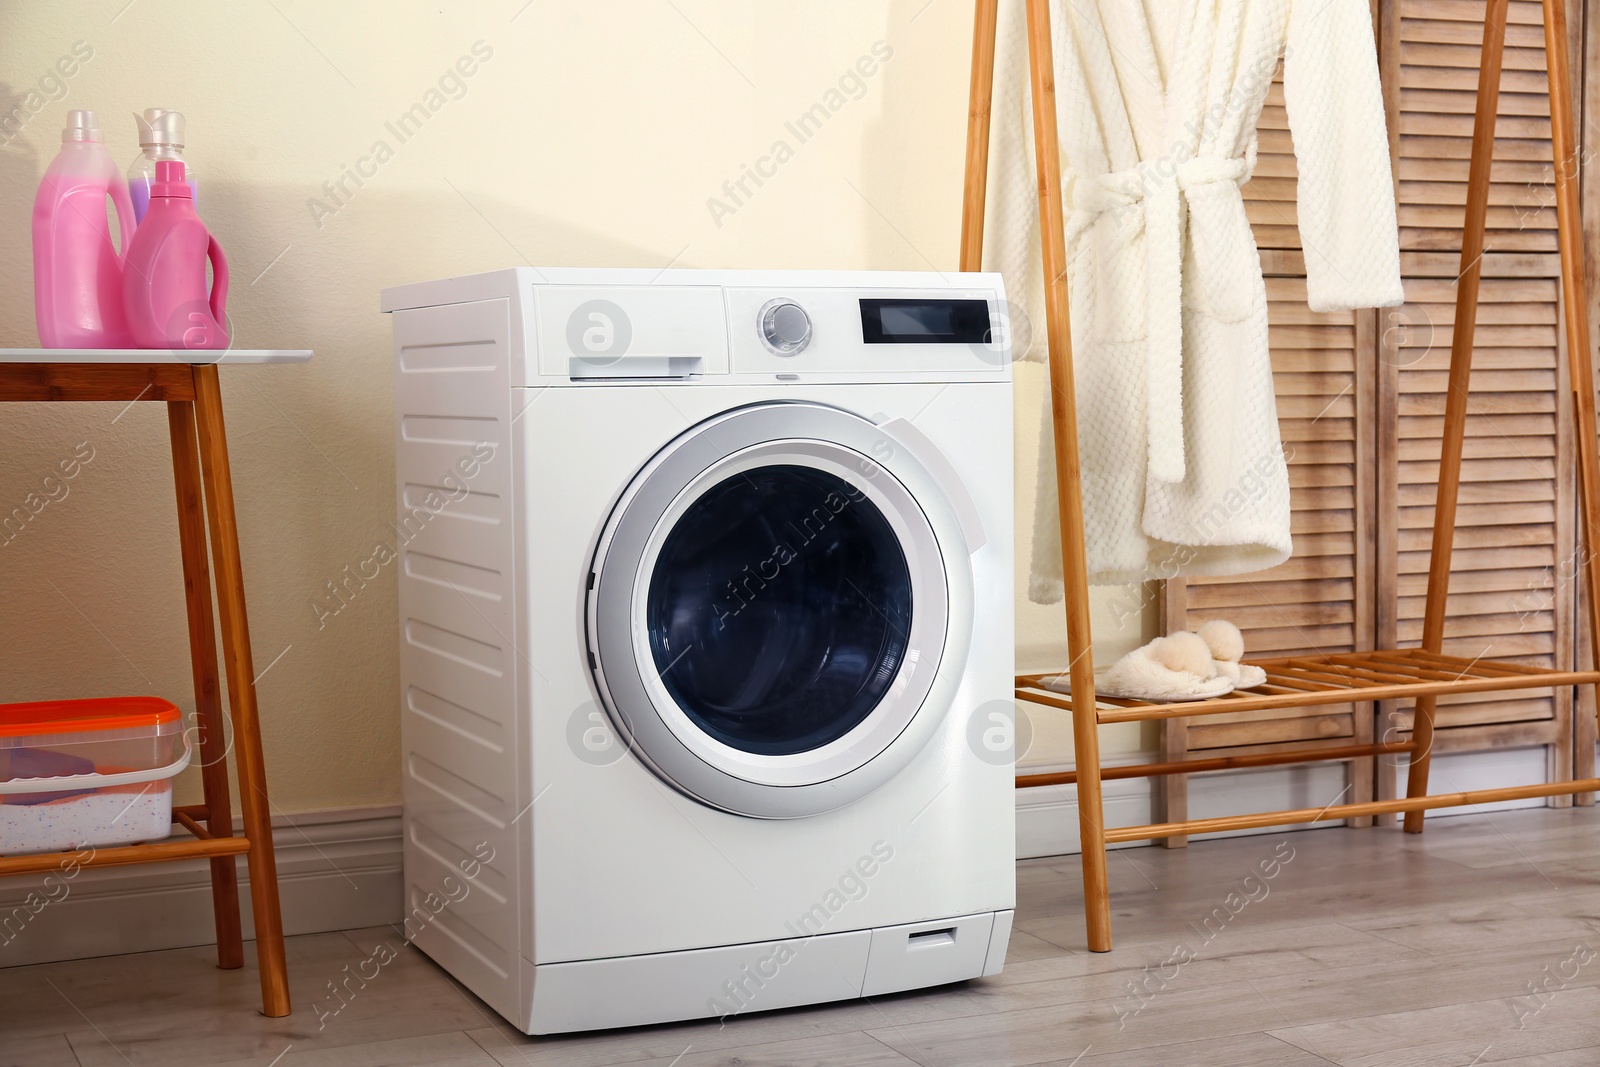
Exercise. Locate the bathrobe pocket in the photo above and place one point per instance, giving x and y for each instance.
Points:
(1222, 269)
(1115, 275)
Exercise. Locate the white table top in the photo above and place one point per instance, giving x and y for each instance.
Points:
(153, 355)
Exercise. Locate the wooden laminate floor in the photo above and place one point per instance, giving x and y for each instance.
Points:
(1477, 943)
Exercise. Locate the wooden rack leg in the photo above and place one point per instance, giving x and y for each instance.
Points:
(242, 693)
(1455, 409)
(1574, 295)
(980, 105)
(207, 692)
(1063, 406)
(1172, 790)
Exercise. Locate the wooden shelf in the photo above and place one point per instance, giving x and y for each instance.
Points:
(203, 846)
(1306, 681)
(180, 848)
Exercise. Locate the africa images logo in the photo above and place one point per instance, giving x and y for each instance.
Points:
(598, 333)
(743, 589)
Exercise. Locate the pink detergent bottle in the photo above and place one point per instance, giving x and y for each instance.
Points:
(164, 284)
(77, 270)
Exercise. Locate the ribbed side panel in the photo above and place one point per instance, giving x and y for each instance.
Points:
(458, 652)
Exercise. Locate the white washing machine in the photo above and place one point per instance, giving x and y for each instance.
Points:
(706, 637)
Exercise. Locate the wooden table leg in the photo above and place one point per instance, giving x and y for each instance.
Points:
(207, 692)
(218, 481)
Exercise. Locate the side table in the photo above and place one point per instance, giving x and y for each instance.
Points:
(204, 484)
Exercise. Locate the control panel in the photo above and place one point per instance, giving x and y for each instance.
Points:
(578, 325)
(838, 332)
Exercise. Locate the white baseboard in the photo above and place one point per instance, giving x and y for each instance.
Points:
(336, 871)
(340, 870)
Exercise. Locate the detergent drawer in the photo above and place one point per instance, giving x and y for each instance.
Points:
(631, 331)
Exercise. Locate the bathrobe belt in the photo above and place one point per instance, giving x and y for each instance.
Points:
(1153, 198)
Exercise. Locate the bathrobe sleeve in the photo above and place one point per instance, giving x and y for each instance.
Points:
(1341, 144)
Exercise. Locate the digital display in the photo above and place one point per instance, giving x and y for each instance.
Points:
(925, 322)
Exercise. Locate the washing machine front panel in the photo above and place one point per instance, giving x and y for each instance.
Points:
(780, 608)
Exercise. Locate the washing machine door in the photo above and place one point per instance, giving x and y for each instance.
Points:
(780, 607)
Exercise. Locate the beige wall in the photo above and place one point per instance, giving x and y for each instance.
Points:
(591, 134)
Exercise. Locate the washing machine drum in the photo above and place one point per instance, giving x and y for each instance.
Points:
(780, 607)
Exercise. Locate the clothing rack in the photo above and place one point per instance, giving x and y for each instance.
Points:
(1424, 673)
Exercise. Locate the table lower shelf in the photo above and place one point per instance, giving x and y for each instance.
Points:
(197, 847)
(1306, 681)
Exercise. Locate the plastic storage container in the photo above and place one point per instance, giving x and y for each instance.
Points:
(86, 773)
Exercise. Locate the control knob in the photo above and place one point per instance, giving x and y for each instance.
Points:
(785, 327)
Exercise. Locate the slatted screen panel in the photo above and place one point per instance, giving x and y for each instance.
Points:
(1510, 588)
(1361, 404)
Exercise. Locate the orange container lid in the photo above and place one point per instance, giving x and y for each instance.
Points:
(82, 716)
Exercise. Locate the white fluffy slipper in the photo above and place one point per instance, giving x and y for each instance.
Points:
(1227, 648)
(1174, 668)
(1180, 666)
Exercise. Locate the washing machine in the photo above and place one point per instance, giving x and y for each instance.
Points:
(705, 605)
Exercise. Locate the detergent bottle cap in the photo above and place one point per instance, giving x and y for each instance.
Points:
(170, 180)
(159, 128)
(81, 126)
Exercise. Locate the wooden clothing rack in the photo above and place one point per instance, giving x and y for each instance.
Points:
(1423, 673)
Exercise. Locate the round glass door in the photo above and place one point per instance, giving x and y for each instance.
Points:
(779, 610)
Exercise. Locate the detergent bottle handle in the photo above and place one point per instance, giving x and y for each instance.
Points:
(117, 189)
(219, 282)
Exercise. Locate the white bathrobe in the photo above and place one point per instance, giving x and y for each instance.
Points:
(1157, 100)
